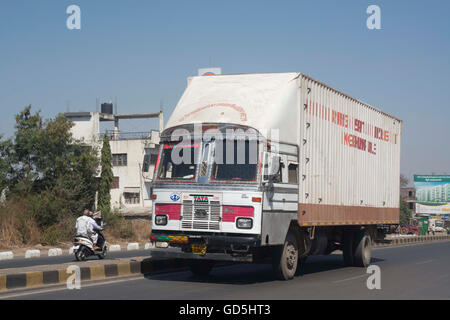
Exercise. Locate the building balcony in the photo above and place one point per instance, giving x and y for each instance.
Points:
(114, 136)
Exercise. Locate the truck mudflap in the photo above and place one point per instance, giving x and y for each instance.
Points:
(173, 253)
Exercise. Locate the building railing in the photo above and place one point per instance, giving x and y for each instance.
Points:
(127, 135)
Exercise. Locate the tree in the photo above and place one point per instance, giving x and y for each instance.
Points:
(5, 150)
(106, 178)
(405, 212)
(403, 181)
(50, 172)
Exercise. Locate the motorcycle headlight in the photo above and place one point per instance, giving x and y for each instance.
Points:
(161, 220)
(244, 223)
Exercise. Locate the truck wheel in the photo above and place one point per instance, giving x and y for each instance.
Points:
(201, 268)
(347, 247)
(362, 254)
(285, 259)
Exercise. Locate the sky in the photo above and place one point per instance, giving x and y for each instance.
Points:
(140, 53)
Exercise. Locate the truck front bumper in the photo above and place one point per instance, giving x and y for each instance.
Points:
(178, 254)
(209, 239)
(222, 247)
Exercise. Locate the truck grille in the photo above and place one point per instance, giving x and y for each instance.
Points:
(201, 216)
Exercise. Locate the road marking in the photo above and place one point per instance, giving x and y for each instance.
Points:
(353, 278)
(424, 262)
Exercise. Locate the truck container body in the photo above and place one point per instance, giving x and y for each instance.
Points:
(275, 162)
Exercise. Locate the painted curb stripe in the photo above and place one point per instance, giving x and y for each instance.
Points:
(50, 277)
(97, 272)
(16, 281)
(111, 270)
(63, 275)
(123, 269)
(2, 282)
(35, 279)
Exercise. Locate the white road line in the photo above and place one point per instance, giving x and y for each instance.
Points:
(353, 278)
(424, 262)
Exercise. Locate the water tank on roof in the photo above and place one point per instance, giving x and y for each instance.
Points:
(107, 108)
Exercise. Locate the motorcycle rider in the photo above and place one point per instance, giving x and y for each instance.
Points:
(87, 226)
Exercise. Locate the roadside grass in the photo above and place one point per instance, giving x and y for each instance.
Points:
(19, 228)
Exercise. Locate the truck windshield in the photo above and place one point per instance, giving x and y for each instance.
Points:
(177, 161)
(235, 160)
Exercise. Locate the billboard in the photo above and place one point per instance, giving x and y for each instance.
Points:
(432, 194)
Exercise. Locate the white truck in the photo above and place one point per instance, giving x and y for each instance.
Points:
(273, 167)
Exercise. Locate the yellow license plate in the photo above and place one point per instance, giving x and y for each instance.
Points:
(199, 248)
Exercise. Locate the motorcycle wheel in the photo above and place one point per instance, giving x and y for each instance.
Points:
(80, 255)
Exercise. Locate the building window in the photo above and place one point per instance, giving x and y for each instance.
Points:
(410, 194)
(411, 205)
(115, 183)
(120, 160)
(131, 198)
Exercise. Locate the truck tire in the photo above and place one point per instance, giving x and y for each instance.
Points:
(347, 247)
(200, 268)
(362, 253)
(285, 258)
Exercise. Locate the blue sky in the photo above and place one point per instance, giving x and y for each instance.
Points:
(142, 52)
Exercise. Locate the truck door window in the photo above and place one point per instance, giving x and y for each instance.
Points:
(292, 172)
(170, 166)
(278, 177)
(243, 156)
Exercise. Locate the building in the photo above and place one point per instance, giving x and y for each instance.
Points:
(409, 196)
(438, 193)
(134, 155)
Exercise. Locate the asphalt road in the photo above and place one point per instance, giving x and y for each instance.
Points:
(410, 272)
(45, 260)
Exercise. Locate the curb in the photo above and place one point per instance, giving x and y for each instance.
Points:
(8, 255)
(418, 239)
(98, 272)
(53, 252)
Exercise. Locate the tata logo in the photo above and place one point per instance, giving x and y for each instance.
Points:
(200, 198)
(174, 197)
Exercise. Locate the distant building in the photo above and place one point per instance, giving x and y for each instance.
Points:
(409, 196)
(134, 156)
(438, 193)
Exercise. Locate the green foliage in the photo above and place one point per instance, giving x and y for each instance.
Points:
(50, 179)
(106, 178)
(405, 212)
(5, 147)
(50, 174)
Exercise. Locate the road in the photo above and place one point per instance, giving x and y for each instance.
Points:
(408, 272)
(44, 260)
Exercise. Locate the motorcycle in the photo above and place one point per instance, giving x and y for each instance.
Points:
(84, 247)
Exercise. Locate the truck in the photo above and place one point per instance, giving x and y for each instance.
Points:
(273, 168)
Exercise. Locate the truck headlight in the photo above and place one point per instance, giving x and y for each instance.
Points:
(160, 220)
(244, 223)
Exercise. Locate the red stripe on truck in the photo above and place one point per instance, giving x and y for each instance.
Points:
(173, 211)
(230, 213)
